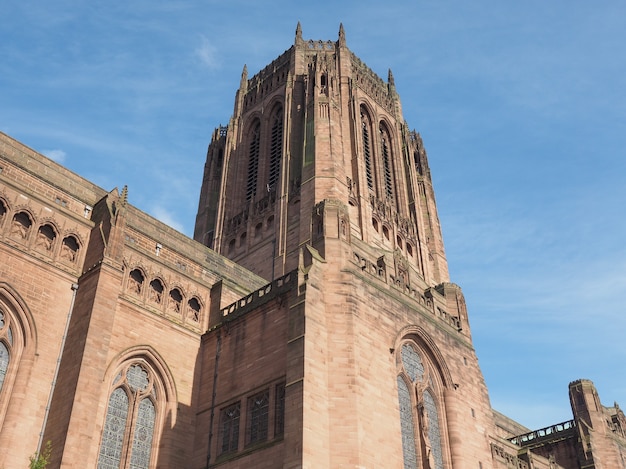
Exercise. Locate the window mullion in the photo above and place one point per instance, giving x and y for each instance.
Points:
(129, 433)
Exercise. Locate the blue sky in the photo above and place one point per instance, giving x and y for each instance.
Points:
(521, 105)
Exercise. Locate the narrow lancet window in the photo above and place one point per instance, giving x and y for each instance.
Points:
(253, 160)
(129, 426)
(276, 149)
(418, 410)
(385, 150)
(367, 152)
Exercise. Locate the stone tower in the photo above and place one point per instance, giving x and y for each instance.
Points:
(317, 134)
(317, 181)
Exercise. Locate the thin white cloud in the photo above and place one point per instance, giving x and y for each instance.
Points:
(162, 214)
(207, 53)
(55, 155)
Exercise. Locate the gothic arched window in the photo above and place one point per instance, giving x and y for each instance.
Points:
(366, 128)
(417, 402)
(276, 149)
(15, 336)
(385, 151)
(129, 426)
(6, 344)
(254, 150)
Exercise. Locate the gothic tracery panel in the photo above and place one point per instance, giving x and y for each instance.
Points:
(419, 411)
(130, 421)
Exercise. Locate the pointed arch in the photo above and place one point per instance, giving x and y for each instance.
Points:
(366, 140)
(17, 341)
(276, 146)
(4, 210)
(422, 373)
(142, 397)
(21, 225)
(423, 340)
(254, 152)
(386, 156)
(47, 234)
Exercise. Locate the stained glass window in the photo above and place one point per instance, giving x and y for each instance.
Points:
(407, 425)
(412, 362)
(113, 433)
(433, 429)
(5, 354)
(137, 378)
(142, 439)
(230, 428)
(424, 416)
(258, 417)
(130, 420)
(4, 362)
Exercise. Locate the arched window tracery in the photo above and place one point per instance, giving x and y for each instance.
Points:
(15, 337)
(131, 418)
(420, 421)
(6, 344)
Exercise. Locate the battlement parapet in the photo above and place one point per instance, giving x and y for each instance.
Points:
(556, 431)
(259, 297)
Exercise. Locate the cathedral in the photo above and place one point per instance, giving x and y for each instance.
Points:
(310, 323)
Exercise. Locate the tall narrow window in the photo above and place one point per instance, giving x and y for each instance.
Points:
(130, 420)
(279, 410)
(424, 447)
(113, 433)
(6, 342)
(407, 425)
(367, 152)
(431, 417)
(276, 149)
(253, 160)
(258, 417)
(230, 428)
(385, 151)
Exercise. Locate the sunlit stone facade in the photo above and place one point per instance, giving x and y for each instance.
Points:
(310, 324)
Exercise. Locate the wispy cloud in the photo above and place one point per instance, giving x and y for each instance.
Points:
(167, 217)
(207, 53)
(55, 155)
